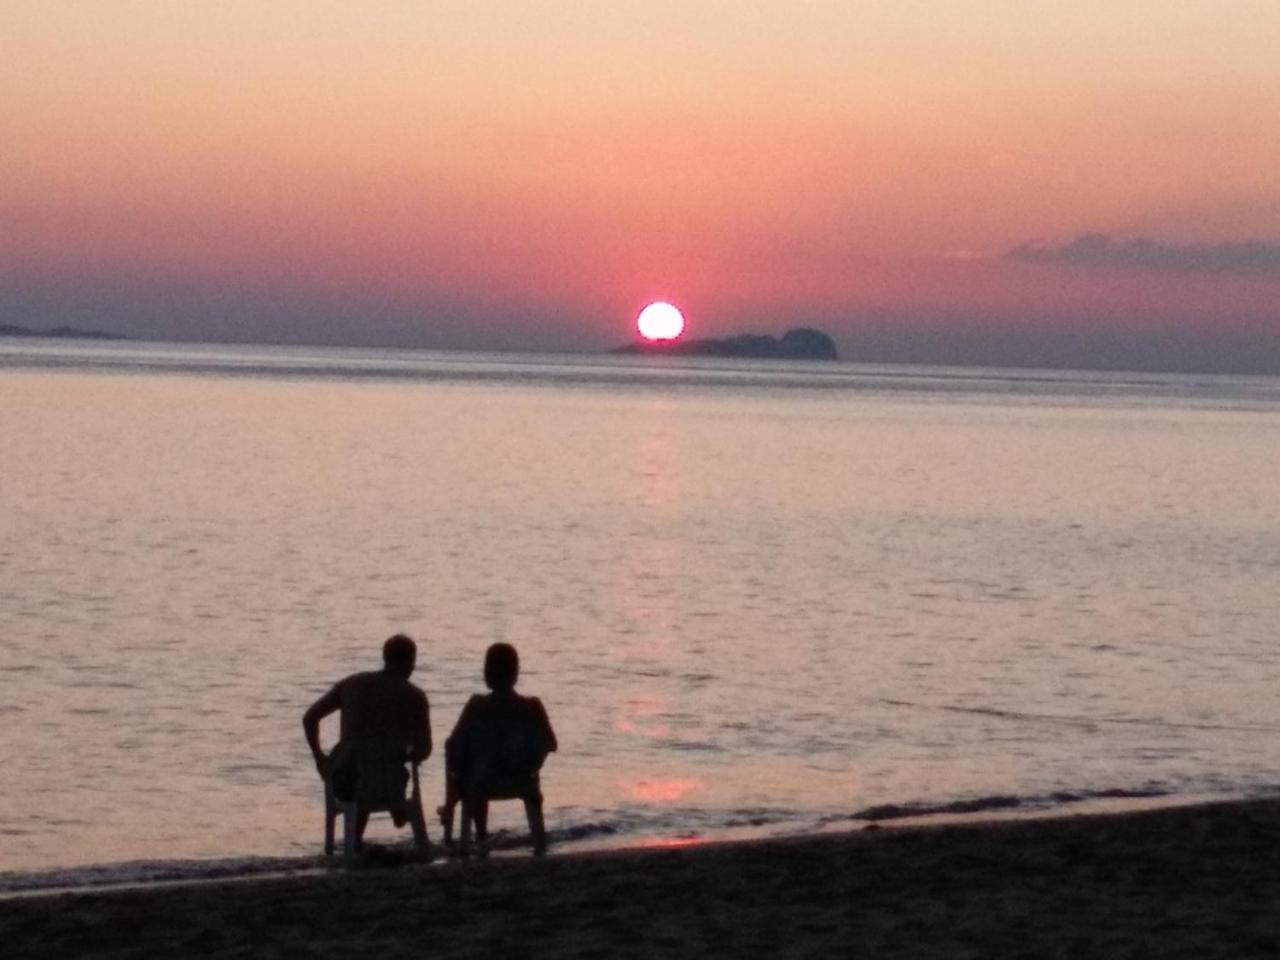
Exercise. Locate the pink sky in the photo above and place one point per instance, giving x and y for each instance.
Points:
(528, 175)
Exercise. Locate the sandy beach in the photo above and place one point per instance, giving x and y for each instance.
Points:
(1187, 882)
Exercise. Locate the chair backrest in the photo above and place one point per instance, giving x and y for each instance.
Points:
(374, 804)
(372, 769)
(504, 750)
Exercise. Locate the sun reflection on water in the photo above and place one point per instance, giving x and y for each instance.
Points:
(663, 789)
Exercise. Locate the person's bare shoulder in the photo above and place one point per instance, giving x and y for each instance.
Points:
(360, 688)
(537, 711)
(417, 695)
(359, 681)
(473, 708)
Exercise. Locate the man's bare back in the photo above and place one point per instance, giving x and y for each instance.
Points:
(378, 704)
(385, 720)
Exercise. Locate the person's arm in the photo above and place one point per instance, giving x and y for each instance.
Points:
(455, 743)
(544, 724)
(466, 717)
(329, 703)
(420, 744)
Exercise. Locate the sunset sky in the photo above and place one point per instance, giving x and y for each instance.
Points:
(1027, 181)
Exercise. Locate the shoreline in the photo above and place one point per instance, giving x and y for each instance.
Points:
(1185, 880)
(155, 873)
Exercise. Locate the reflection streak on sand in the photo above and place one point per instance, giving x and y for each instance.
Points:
(672, 843)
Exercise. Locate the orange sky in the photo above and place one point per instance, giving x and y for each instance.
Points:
(528, 175)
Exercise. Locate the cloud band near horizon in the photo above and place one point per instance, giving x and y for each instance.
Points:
(1146, 253)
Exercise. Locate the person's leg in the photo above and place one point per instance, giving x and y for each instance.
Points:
(418, 820)
(481, 813)
(446, 811)
(468, 818)
(452, 795)
(400, 815)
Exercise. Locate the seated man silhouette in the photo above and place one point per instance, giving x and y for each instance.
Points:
(495, 752)
(385, 721)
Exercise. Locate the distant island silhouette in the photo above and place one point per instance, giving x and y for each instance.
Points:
(801, 343)
(63, 333)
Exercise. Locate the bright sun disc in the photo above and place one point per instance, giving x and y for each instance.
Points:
(660, 321)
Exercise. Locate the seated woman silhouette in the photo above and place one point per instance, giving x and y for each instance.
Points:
(495, 752)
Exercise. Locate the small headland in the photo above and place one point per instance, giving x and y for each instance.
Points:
(58, 333)
(801, 343)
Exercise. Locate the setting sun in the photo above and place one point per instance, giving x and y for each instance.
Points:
(660, 321)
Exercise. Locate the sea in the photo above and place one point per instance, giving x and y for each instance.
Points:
(756, 597)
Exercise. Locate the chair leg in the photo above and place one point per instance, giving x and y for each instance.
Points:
(464, 842)
(537, 826)
(350, 830)
(480, 819)
(418, 821)
(446, 820)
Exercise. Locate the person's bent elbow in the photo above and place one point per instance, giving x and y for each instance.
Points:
(311, 728)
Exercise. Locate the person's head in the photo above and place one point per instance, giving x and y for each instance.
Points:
(501, 667)
(399, 655)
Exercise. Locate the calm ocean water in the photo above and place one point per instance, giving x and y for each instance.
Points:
(752, 595)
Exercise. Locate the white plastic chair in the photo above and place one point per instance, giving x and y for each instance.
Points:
(350, 810)
(528, 790)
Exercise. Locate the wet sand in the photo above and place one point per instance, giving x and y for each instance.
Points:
(1189, 882)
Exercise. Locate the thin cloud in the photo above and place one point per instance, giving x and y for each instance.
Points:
(1145, 253)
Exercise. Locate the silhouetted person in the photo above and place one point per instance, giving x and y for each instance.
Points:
(385, 722)
(495, 752)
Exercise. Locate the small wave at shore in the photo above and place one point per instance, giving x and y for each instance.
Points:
(999, 803)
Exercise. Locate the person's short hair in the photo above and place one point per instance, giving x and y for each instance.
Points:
(399, 654)
(501, 667)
